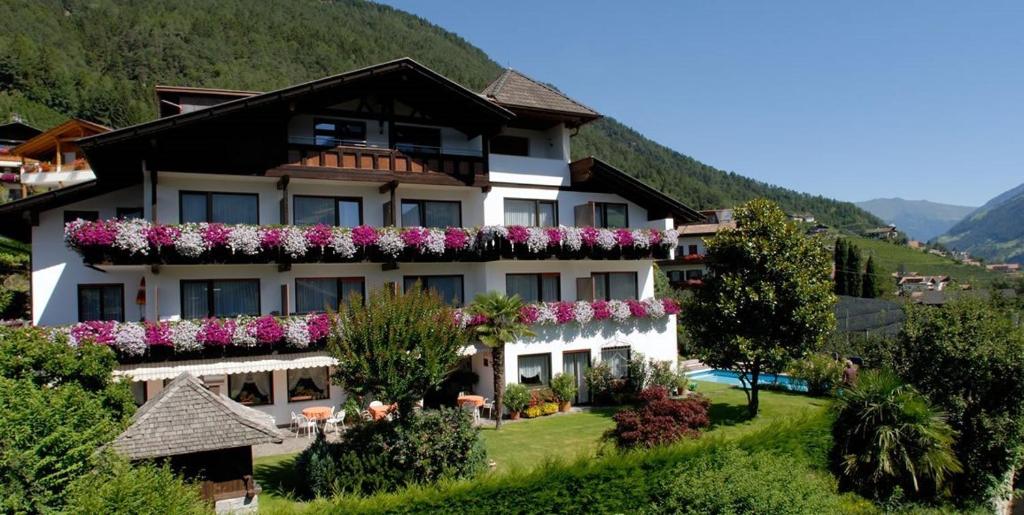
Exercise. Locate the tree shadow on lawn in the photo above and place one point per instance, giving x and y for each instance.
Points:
(726, 414)
(278, 478)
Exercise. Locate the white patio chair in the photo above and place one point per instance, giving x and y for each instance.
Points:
(333, 421)
(294, 424)
(489, 406)
(307, 425)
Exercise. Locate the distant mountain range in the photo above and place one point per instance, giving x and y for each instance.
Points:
(994, 231)
(919, 219)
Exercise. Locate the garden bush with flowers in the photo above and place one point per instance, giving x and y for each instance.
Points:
(134, 241)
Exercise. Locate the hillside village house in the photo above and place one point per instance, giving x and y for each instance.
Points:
(687, 268)
(883, 233)
(53, 159)
(12, 134)
(235, 206)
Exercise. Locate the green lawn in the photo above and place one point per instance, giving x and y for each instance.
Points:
(528, 443)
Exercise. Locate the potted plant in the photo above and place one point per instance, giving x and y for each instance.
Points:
(564, 387)
(517, 398)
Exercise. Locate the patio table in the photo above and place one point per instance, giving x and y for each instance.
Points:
(379, 412)
(317, 413)
(475, 400)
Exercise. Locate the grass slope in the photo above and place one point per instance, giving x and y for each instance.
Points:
(99, 59)
(993, 231)
(890, 257)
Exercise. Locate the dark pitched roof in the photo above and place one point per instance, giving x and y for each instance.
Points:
(186, 418)
(19, 214)
(591, 173)
(17, 131)
(514, 90)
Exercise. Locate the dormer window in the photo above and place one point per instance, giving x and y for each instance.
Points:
(332, 133)
(510, 145)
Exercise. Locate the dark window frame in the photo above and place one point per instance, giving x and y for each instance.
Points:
(417, 148)
(337, 283)
(120, 212)
(536, 208)
(119, 286)
(509, 137)
(334, 135)
(270, 402)
(71, 215)
(288, 393)
(550, 371)
(337, 212)
(607, 284)
(210, 308)
(540, 283)
(419, 277)
(209, 202)
(629, 356)
(603, 208)
(422, 208)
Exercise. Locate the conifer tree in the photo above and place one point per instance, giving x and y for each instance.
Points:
(853, 270)
(839, 260)
(871, 284)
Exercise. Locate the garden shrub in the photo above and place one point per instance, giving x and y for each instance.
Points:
(423, 448)
(119, 488)
(659, 420)
(549, 408)
(661, 374)
(539, 396)
(820, 372)
(600, 382)
(517, 397)
(564, 387)
(533, 412)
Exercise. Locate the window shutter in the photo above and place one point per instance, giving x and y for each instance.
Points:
(585, 288)
(389, 214)
(585, 215)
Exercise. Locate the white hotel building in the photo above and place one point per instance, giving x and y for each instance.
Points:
(391, 144)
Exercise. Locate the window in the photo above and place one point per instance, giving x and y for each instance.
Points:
(252, 389)
(331, 133)
(534, 287)
(611, 216)
(69, 157)
(100, 302)
(431, 213)
(510, 145)
(71, 216)
(417, 139)
(615, 285)
(220, 298)
(694, 274)
(342, 212)
(317, 294)
(449, 287)
(692, 250)
(225, 208)
(130, 212)
(139, 392)
(535, 369)
(532, 213)
(675, 276)
(308, 384)
(617, 358)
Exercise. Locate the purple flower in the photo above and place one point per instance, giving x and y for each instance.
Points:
(364, 236)
(655, 236)
(319, 235)
(158, 334)
(455, 238)
(528, 314)
(98, 233)
(271, 238)
(518, 234)
(318, 325)
(589, 235)
(637, 308)
(97, 332)
(414, 237)
(564, 312)
(162, 235)
(601, 310)
(216, 332)
(10, 177)
(216, 235)
(671, 306)
(554, 235)
(624, 237)
(267, 330)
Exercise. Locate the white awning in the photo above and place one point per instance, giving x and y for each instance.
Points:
(232, 365)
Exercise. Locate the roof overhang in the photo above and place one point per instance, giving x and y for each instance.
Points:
(593, 174)
(46, 141)
(19, 216)
(223, 366)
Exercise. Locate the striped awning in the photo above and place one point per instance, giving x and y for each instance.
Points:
(218, 366)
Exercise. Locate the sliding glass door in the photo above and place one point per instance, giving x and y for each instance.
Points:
(577, 363)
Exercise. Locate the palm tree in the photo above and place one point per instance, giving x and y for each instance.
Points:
(501, 326)
(887, 435)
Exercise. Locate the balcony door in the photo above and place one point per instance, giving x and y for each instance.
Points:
(577, 363)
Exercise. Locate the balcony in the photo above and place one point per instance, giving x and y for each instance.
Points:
(47, 175)
(529, 170)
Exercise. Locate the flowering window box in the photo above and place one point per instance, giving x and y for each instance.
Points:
(135, 241)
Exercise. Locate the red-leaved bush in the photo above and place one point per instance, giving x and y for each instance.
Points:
(659, 420)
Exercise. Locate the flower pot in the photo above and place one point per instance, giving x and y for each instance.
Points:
(514, 415)
(564, 407)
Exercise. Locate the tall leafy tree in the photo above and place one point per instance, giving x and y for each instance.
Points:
(854, 267)
(501, 326)
(839, 263)
(872, 284)
(768, 299)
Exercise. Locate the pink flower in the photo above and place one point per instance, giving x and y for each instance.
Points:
(271, 238)
(364, 236)
(554, 235)
(563, 312)
(96, 233)
(455, 238)
(655, 236)
(589, 235)
(518, 234)
(158, 333)
(671, 306)
(162, 235)
(601, 311)
(414, 237)
(318, 325)
(528, 314)
(477, 319)
(319, 235)
(215, 332)
(216, 235)
(624, 237)
(637, 308)
(267, 330)
(97, 332)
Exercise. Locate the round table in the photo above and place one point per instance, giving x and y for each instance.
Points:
(475, 400)
(379, 412)
(317, 413)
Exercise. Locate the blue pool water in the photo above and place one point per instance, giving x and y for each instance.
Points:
(733, 378)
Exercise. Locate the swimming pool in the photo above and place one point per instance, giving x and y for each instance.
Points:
(733, 378)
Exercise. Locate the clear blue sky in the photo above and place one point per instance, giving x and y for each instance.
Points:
(852, 100)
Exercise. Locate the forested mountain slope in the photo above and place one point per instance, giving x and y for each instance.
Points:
(994, 231)
(99, 60)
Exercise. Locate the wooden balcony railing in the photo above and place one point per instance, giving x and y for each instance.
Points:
(371, 159)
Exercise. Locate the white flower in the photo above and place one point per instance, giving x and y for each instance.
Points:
(390, 243)
(132, 236)
(435, 241)
(341, 242)
(572, 237)
(296, 332)
(495, 230)
(619, 310)
(582, 311)
(641, 238)
(670, 238)
(655, 309)
(183, 336)
(546, 314)
(190, 242)
(293, 241)
(462, 318)
(606, 239)
(72, 227)
(537, 240)
(130, 338)
(244, 335)
(244, 239)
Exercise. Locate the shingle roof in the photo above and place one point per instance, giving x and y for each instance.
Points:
(186, 418)
(513, 89)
